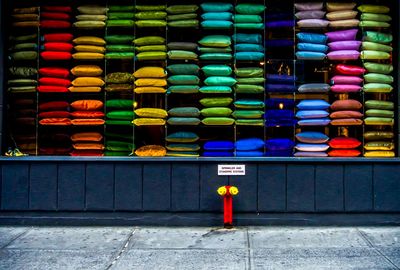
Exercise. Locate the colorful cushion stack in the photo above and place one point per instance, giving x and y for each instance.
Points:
(309, 15)
(54, 113)
(342, 14)
(182, 16)
(279, 147)
(150, 80)
(279, 112)
(343, 45)
(346, 112)
(183, 70)
(217, 15)
(249, 147)
(376, 46)
(347, 79)
(248, 47)
(25, 17)
(220, 148)
(311, 144)
(344, 147)
(89, 48)
(311, 46)
(150, 117)
(215, 48)
(150, 48)
(53, 80)
(55, 17)
(374, 16)
(379, 144)
(182, 144)
(120, 16)
(119, 112)
(87, 144)
(182, 51)
(87, 79)
(248, 16)
(313, 112)
(120, 47)
(280, 83)
(87, 112)
(150, 16)
(91, 17)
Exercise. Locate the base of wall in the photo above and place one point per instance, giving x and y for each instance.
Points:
(195, 219)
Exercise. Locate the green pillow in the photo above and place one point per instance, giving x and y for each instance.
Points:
(218, 121)
(378, 135)
(216, 101)
(184, 23)
(182, 154)
(184, 112)
(378, 68)
(182, 137)
(120, 48)
(120, 15)
(379, 113)
(373, 24)
(248, 114)
(373, 46)
(22, 89)
(119, 146)
(216, 41)
(379, 9)
(22, 82)
(120, 8)
(249, 88)
(181, 55)
(214, 50)
(24, 47)
(375, 17)
(151, 56)
(24, 56)
(183, 69)
(25, 72)
(379, 104)
(120, 103)
(381, 121)
(216, 56)
(183, 147)
(251, 72)
(216, 89)
(151, 23)
(150, 7)
(150, 15)
(120, 23)
(121, 115)
(183, 121)
(24, 38)
(249, 122)
(182, 9)
(118, 77)
(152, 48)
(374, 55)
(249, 104)
(184, 89)
(113, 122)
(240, 18)
(117, 154)
(119, 55)
(181, 17)
(249, 26)
(183, 79)
(216, 70)
(377, 88)
(149, 40)
(378, 78)
(255, 80)
(249, 8)
(216, 111)
(378, 37)
(220, 81)
(119, 39)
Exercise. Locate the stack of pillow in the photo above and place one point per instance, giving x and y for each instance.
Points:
(215, 48)
(183, 69)
(119, 82)
(150, 16)
(279, 112)
(150, 48)
(374, 16)
(182, 144)
(218, 148)
(313, 112)
(343, 45)
(57, 46)
(182, 51)
(120, 47)
(53, 80)
(89, 48)
(119, 144)
(216, 105)
(376, 46)
(150, 117)
(91, 17)
(279, 147)
(346, 112)
(87, 112)
(311, 144)
(311, 46)
(87, 79)
(54, 113)
(217, 15)
(249, 147)
(120, 16)
(87, 144)
(119, 112)
(280, 83)
(150, 80)
(342, 14)
(25, 17)
(309, 15)
(182, 16)
(347, 79)
(55, 17)
(248, 16)
(245, 107)
(184, 116)
(248, 47)
(344, 147)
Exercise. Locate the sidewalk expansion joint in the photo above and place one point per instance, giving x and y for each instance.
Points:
(122, 250)
(248, 250)
(16, 237)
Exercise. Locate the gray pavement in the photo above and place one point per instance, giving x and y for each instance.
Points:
(199, 248)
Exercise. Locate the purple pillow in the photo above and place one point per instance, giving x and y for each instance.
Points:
(313, 23)
(341, 79)
(309, 6)
(344, 55)
(344, 45)
(342, 35)
(310, 154)
(310, 14)
(280, 24)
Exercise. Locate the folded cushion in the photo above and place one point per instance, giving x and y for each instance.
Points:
(249, 104)
(314, 88)
(340, 79)
(90, 24)
(313, 23)
(149, 40)
(54, 81)
(379, 113)
(219, 81)
(150, 15)
(246, 47)
(151, 151)
(216, 24)
(310, 114)
(218, 121)
(247, 114)
(216, 70)
(312, 137)
(378, 68)
(314, 122)
(150, 72)
(217, 16)
(313, 104)
(346, 122)
(345, 88)
(149, 122)
(249, 88)
(349, 70)
(118, 77)
(344, 153)
(87, 56)
(304, 55)
(310, 14)
(90, 48)
(183, 89)
(381, 121)
(377, 87)
(344, 55)
(216, 102)
(373, 46)
(151, 113)
(52, 89)
(119, 103)
(121, 115)
(183, 69)
(87, 122)
(215, 41)
(54, 72)
(181, 9)
(379, 154)
(375, 17)
(216, 7)
(344, 45)
(182, 137)
(374, 55)
(312, 47)
(119, 39)
(86, 137)
(151, 23)
(249, 144)
(184, 79)
(184, 23)
(54, 114)
(379, 104)
(346, 104)
(53, 106)
(88, 81)
(151, 82)
(183, 121)
(55, 122)
(216, 111)
(345, 114)
(379, 146)
(249, 122)
(216, 56)
(312, 147)
(218, 145)
(342, 35)
(54, 55)
(181, 55)
(378, 135)
(240, 18)
(184, 112)
(341, 15)
(87, 105)
(377, 37)
(344, 143)
(345, 23)
(151, 56)
(312, 38)
(89, 40)
(374, 9)
(309, 6)
(86, 71)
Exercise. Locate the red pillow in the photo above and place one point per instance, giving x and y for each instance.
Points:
(91, 153)
(52, 89)
(62, 37)
(53, 106)
(349, 70)
(54, 114)
(56, 56)
(54, 81)
(346, 105)
(54, 24)
(55, 122)
(55, 16)
(58, 46)
(344, 153)
(87, 114)
(54, 72)
(57, 8)
(344, 143)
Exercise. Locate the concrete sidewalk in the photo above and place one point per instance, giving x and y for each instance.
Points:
(199, 248)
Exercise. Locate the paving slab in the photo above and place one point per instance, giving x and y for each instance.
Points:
(66, 238)
(183, 260)
(8, 234)
(189, 238)
(53, 259)
(391, 253)
(387, 237)
(281, 237)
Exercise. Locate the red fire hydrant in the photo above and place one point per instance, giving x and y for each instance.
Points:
(227, 192)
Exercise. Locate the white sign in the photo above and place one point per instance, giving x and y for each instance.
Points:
(231, 169)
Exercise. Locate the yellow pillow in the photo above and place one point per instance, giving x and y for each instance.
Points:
(341, 15)
(379, 154)
(89, 24)
(89, 40)
(345, 23)
(90, 48)
(151, 151)
(88, 56)
(151, 82)
(151, 113)
(150, 72)
(149, 122)
(379, 145)
(84, 89)
(336, 6)
(374, 9)
(86, 17)
(88, 81)
(87, 70)
(150, 90)
(92, 10)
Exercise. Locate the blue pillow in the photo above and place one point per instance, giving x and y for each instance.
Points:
(249, 153)
(280, 88)
(278, 78)
(312, 137)
(312, 38)
(217, 154)
(279, 43)
(280, 122)
(312, 47)
(313, 104)
(314, 122)
(249, 144)
(279, 144)
(310, 55)
(279, 103)
(310, 154)
(219, 145)
(245, 47)
(217, 16)
(248, 38)
(309, 114)
(312, 147)
(249, 56)
(283, 153)
(279, 114)
(216, 7)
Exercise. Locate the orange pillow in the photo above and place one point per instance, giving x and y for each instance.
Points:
(87, 137)
(87, 114)
(346, 104)
(88, 146)
(345, 114)
(151, 151)
(87, 122)
(346, 122)
(55, 122)
(87, 105)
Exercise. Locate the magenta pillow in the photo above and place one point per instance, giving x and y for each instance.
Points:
(345, 88)
(344, 55)
(342, 35)
(340, 79)
(344, 45)
(310, 14)
(313, 23)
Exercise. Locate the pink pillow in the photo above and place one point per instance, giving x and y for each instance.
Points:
(310, 14)
(345, 88)
(344, 55)
(309, 6)
(344, 45)
(349, 70)
(342, 35)
(313, 23)
(340, 79)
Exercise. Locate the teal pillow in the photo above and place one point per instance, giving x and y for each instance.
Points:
(249, 72)
(216, 89)
(216, 24)
(249, 104)
(184, 112)
(183, 79)
(216, 111)
(204, 50)
(216, 7)
(183, 89)
(183, 121)
(241, 18)
(248, 114)
(216, 56)
(216, 41)
(220, 81)
(249, 89)
(182, 137)
(216, 70)
(181, 55)
(249, 8)
(183, 147)
(218, 121)
(217, 16)
(249, 25)
(216, 102)
(183, 69)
